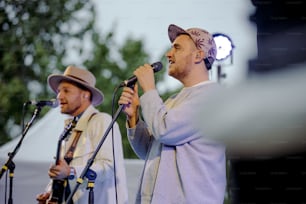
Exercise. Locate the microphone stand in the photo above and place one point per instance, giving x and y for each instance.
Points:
(11, 175)
(9, 163)
(91, 160)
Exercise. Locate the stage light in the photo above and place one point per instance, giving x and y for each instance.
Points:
(224, 46)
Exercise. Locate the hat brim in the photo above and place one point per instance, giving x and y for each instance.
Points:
(55, 79)
(174, 31)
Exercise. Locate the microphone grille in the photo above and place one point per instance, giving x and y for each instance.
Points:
(157, 66)
(54, 103)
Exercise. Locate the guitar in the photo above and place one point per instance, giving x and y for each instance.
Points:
(58, 186)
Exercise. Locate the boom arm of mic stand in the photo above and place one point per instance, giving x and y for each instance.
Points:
(9, 163)
(91, 159)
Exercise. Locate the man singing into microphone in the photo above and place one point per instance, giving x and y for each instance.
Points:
(182, 165)
(77, 96)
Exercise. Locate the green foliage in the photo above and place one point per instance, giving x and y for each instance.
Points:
(33, 36)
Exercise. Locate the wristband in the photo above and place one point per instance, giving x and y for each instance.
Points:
(72, 173)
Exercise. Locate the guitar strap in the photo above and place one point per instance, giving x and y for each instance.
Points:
(69, 155)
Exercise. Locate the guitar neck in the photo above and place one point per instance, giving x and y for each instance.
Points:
(58, 186)
(58, 152)
(63, 136)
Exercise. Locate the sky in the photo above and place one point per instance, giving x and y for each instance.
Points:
(149, 21)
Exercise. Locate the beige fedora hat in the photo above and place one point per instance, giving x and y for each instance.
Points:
(79, 76)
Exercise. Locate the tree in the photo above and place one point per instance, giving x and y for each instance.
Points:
(33, 41)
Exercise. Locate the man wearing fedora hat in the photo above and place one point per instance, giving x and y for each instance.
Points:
(183, 165)
(78, 96)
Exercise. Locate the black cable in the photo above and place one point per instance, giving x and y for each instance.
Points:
(114, 153)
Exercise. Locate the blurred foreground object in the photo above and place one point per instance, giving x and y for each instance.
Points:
(263, 125)
(269, 122)
(262, 117)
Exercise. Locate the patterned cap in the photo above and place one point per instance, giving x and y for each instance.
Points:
(202, 39)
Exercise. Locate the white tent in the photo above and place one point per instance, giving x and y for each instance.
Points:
(39, 144)
(35, 156)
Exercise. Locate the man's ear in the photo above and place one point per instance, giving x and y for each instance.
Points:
(199, 56)
(86, 95)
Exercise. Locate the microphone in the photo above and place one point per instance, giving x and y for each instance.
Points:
(157, 66)
(53, 103)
